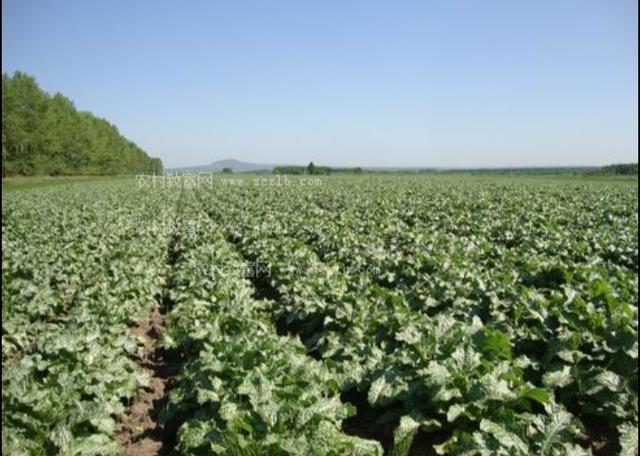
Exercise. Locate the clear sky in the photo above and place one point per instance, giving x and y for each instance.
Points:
(395, 83)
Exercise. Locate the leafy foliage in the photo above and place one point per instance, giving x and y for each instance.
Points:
(79, 268)
(483, 316)
(500, 313)
(46, 135)
(244, 388)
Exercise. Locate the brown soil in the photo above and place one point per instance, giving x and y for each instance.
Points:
(13, 358)
(141, 433)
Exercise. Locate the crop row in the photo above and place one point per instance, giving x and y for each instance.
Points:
(65, 392)
(536, 293)
(243, 388)
(364, 315)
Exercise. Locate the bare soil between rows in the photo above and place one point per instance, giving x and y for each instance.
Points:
(141, 432)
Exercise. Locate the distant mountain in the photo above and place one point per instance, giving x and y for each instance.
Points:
(217, 166)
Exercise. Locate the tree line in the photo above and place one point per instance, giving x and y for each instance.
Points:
(315, 170)
(45, 134)
(618, 169)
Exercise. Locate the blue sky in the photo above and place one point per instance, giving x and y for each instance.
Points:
(413, 83)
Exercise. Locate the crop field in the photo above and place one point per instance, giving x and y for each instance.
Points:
(353, 315)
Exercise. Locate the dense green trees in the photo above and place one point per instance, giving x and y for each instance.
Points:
(618, 169)
(309, 169)
(315, 170)
(46, 135)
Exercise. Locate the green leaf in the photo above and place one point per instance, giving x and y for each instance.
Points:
(504, 437)
(559, 420)
(403, 435)
(628, 439)
(537, 394)
(378, 389)
(497, 344)
(558, 378)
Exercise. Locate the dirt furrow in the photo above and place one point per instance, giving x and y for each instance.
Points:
(143, 432)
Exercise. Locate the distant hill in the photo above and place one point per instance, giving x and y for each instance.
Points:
(217, 166)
